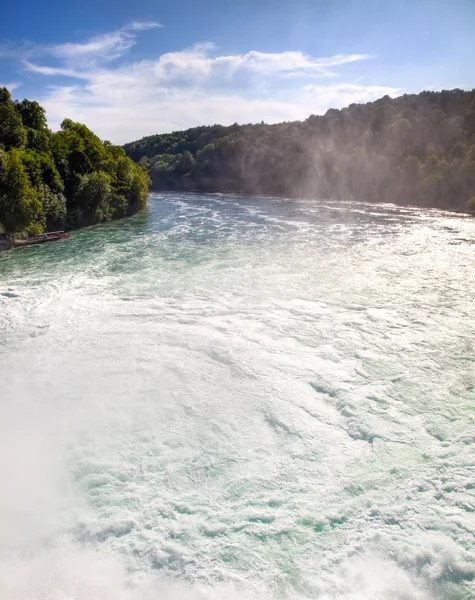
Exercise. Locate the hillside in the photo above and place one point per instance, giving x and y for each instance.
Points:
(65, 179)
(415, 149)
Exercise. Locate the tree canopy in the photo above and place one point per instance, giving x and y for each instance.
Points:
(415, 149)
(65, 179)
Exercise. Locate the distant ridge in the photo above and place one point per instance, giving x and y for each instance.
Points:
(417, 149)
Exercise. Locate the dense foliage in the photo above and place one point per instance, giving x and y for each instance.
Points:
(416, 149)
(64, 179)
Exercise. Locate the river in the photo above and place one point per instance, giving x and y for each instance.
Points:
(241, 398)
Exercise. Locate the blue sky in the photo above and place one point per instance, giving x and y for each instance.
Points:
(129, 69)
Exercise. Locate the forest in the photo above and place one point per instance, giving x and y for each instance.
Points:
(66, 179)
(413, 150)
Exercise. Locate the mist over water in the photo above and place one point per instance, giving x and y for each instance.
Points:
(241, 398)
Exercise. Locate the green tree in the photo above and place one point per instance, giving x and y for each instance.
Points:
(5, 96)
(94, 190)
(54, 206)
(32, 114)
(12, 132)
(138, 194)
(185, 163)
(69, 177)
(41, 169)
(38, 139)
(20, 207)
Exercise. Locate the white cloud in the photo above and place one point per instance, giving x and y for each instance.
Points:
(12, 85)
(100, 49)
(194, 86)
(198, 61)
(192, 63)
(55, 71)
(143, 25)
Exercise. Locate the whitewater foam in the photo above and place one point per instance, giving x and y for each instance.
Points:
(240, 398)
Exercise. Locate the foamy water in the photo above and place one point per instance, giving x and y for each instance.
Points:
(241, 398)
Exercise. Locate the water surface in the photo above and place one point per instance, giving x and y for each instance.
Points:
(236, 398)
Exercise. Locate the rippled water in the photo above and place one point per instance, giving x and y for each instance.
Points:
(241, 398)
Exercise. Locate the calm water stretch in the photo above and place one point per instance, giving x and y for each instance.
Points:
(241, 398)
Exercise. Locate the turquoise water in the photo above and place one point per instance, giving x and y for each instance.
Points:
(241, 398)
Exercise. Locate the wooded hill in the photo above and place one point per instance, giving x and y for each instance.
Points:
(415, 149)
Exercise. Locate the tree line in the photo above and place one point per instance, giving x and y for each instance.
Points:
(65, 179)
(415, 149)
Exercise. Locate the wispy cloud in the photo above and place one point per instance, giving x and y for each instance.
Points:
(55, 71)
(12, 85)
(123, 100)
(103, 48)
(200, 61)
(100, 49)
(143, 25)
(21, 51)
